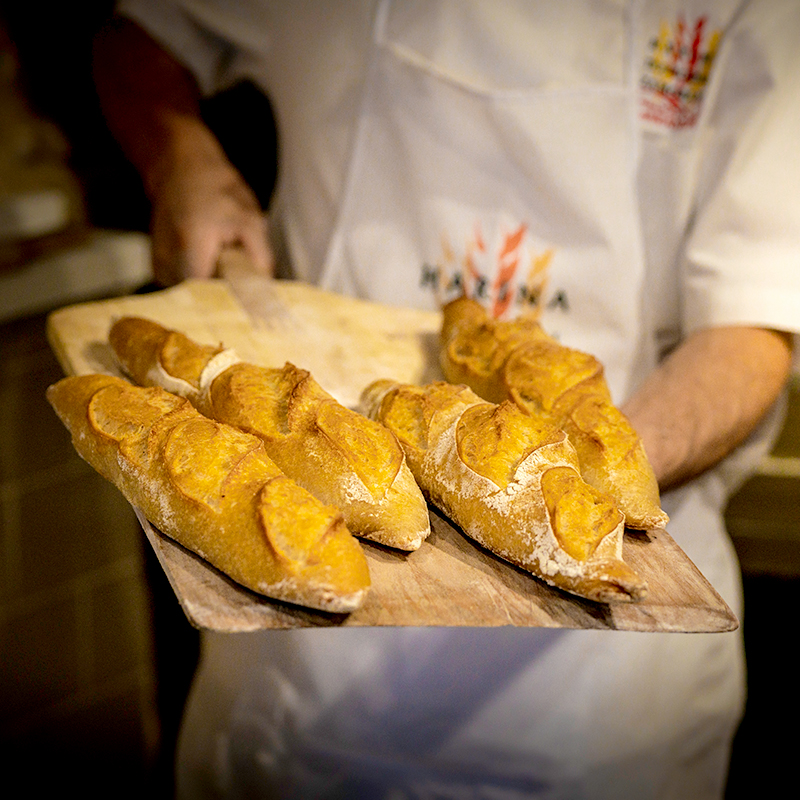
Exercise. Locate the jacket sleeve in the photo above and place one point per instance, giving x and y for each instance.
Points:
(742, 259)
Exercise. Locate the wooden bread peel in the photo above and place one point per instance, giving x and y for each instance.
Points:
(346, 344)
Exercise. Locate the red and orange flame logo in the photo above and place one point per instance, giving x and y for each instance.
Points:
(505, 272)
(676, 72)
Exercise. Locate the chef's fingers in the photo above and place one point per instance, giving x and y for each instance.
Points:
(178, 255)
(193, 249)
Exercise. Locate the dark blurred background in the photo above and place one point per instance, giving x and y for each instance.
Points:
(95, 655)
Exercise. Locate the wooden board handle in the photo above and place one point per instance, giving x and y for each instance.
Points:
(234, 261)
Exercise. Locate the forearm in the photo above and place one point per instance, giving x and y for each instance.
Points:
(201, 204)
(707, 397)
(151, 103)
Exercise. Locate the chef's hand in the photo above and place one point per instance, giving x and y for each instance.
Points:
(201, 207)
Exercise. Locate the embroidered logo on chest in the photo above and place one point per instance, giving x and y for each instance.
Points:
(676, 71)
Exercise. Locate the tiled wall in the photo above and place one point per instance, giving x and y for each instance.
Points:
(77, 677)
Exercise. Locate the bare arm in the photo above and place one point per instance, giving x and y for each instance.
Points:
(707, 397)
(200, 201)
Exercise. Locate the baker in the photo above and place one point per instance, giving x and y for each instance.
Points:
(627, 169)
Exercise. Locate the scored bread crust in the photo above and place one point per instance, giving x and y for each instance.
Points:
(517, 360)
(338, 455)
(511, 483)
(214, 490)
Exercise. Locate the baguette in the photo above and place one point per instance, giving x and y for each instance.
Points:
(340, 456)
(214, 490)
(517, 360)
(511, 482)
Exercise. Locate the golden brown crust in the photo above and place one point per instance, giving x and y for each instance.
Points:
(341, 457)
(511, 482)
(517, 360)
(214, 490)
(135, 340)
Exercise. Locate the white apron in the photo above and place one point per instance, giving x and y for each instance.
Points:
(446, 170)
(486, 713)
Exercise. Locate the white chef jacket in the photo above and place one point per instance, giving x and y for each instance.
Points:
(629, 168)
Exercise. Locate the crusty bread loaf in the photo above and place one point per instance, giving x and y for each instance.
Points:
(214, 490)
(517, 360)
(511, 482)
(338, 455)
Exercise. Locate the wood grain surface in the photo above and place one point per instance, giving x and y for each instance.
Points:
(346, 344)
